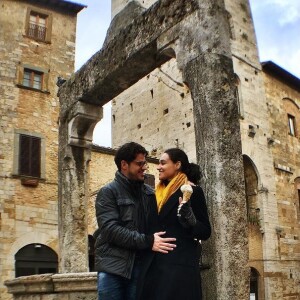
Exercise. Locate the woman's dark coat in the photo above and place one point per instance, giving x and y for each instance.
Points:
(176, 275)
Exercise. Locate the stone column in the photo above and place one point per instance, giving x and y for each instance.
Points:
(218, 145)
(204, 56)
(75, 140)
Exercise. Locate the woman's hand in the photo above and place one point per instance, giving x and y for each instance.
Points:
(185, 214)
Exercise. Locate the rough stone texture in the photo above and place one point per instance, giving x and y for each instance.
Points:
(128, 57)
(168, 120)
(219, 154)
(123, 19)
(73, 161)
(72, 286)
(118, 5)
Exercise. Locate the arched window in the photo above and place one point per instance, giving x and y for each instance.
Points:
(35, 259)
(251, 185)
(254, 284)
(292, 115)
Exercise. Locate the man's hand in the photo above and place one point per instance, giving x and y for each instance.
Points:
(163, 245)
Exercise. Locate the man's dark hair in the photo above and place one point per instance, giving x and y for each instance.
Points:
(128, 152)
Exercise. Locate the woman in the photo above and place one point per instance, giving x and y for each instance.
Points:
(176, 275)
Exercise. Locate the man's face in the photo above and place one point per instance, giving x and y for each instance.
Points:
(135, 170)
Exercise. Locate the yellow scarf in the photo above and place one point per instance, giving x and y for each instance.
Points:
(163, 192)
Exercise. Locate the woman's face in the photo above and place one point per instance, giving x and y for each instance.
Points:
(167, 168)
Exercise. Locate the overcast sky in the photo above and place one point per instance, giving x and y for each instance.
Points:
(276, 22)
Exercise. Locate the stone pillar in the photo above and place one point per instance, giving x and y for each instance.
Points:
(218, 145)
(204, 56)
(75, 140)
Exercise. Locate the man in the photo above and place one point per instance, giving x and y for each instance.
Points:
(127, 217)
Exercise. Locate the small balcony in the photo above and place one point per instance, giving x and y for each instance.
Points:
(37, 32)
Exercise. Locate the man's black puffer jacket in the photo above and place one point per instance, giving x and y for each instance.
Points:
(118, 238)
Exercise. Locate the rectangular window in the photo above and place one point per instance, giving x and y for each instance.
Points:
(37, 26)
(29, 156)
(292, 125)
(33, 79)
(150, 179)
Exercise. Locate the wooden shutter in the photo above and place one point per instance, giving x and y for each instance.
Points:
(30, 156)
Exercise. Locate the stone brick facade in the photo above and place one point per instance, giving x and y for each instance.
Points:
(28, 214)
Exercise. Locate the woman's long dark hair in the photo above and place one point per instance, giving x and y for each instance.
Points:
(191, 170)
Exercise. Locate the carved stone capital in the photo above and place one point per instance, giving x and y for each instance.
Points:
(81, 126)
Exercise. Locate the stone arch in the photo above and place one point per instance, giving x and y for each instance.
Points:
(295, 175)
(292, 101)
(255, 284)
(252, 188)
(251, 176)
(31, 238)
(254, 214)
(35, 258)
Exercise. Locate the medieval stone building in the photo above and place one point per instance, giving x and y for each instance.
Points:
(158, 112)
(37, 46)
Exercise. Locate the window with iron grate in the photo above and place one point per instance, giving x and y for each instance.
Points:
(37, 26)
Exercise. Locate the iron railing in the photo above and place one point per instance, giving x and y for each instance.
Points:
(37, 32)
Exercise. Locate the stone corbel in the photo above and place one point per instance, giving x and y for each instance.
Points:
(167, 42)
(81, 126)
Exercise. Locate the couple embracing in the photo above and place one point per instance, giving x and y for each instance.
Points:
(146, 244)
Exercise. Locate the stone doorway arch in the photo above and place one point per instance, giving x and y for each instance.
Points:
(35, 259)
(255, 232)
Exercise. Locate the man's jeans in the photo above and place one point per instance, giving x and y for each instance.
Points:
(115, 287)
